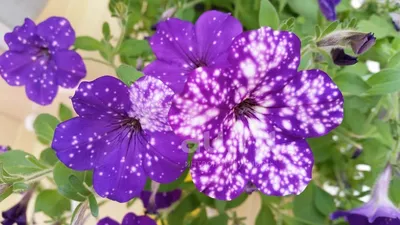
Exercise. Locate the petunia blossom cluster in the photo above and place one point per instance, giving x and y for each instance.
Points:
(238, 95)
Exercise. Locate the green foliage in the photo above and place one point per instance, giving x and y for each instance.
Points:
(44, 126)
(88, 43)
(268, 15)
(51, 203)
(64, 112)
(128, 74)
(265, 216)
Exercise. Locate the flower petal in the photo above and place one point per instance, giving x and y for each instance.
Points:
(199, 110)
(57, 32)
(82, 144)
(16, 68)
(162, 199)
(121, 176)
(175, 42)
(164, 159)
(132, 219)
(265, 56)
(105, 97)
(310, 105)
(171, 74)
(41, 88)
(70, 68)
(107, 221)
(215, 32)
(22, 38)
(328, 8)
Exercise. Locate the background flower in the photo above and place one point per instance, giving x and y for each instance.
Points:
(39, 59)
(160, 200)
(129, 219)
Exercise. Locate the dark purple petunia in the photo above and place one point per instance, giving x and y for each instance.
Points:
(39, 59)
(328, 8)
(257, 116)
(17, 213)
(181, 47)
(129, 219)
(160, 200)
(122, 133)
(379, 210)
(3, 148)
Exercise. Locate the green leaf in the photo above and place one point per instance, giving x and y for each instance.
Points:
(6, 192)
(106, 31)
(201, 218)
(77, 184)
(20, 187)
(128, 74)
(378, 25)
(317, 31)
(323, 201)
(385, 82)
(64, 112)
(135, 48)
(394, 190)
(49, 156)
(61, 176)
(44, 127)
(88, 43)
(237, 201)
(218, 220)
(330, 28)
(220, 206)
(351, 84)
(394, 61)
(15, 162)
(268, 16)
(265, 216)
(306, 8)
(52, 203)
(304, 208)
(94, 207)
(188, 204)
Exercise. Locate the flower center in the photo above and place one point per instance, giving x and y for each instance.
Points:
(199, 63)
(245, 108)
(133, 124)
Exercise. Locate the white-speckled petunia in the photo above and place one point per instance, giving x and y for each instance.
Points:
(122, 133)
(129, 219)
(181, 47)
(39, 59)
(251, 119)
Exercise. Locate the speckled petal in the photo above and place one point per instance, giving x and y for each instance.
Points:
(57, 33)
(328, 8)
(162, 199)
(172, 75)
(22, 38)
(16, 68)
(107, 221)
(41, 88)
(310, 105)
(83, 144)
(70, 68)
(121, 176)
(104, 97)
(132, 219)
(175, 42)
(264, 58)
(198, 112)
(164, 159)
(215, 32)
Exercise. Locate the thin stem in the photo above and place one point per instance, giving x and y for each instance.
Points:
(347, 139)
(39, 175)
(98, 61)
(191, 4)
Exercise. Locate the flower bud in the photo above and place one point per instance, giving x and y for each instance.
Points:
(357, 153)
(395, 20)
(360, 42)
(139, 64)
(340, 58)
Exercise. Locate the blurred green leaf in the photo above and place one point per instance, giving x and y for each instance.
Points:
(6, 192)
(49, 156)
(201, 218)
(128, 74)
(268, 16)
(306, 8)
(394, 61)
(78, 185)
(135, 48)
(20, 187)
(188, 204)
(323, 201)
(61, 176)
(385, 82)
(52, 203)
(304, 207)
(15, 162)
(265, 216)
(237, 201)
(88, 43)
(106, 31)
(218, 220)
(329, 29)
(64, 112)
(351, 84)
(94, 207)
(44, 126)
(380, 26)
(220, 206)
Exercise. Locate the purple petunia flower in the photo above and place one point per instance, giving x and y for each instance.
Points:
(17, 213)
(379, 210)
(123, 134)
(328, 8)
(160, 200)
(129, 219)
(39, 58)
(257, 116)
(3, 148)
(181, 47)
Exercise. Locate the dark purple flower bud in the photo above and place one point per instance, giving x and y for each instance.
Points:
(160, 200)
(17, 213)
(340, 58)
(395, 20)
(378, 210)
(328, 8)
(357, 153)
(361, 44)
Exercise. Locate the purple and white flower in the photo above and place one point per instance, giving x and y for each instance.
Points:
(17, 213)
(328, 8)
(39, 59)
(257, 116)
(122, 133)
(159, 200)
(129, 219)
(379, 210)
(181, 47)
(3, 148)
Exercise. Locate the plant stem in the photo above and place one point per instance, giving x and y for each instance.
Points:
(42, 173)
(99, 61)
(191, 4)
(347, 139)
